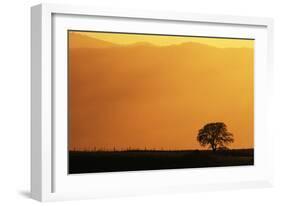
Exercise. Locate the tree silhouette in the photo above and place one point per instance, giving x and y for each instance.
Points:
(215, 135)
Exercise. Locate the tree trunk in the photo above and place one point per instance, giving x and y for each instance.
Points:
(214, 148)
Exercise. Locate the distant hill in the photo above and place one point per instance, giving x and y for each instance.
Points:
(84, 41)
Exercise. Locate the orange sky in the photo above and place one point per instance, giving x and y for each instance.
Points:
(156, 92)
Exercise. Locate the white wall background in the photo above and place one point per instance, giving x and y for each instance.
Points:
(15, 101)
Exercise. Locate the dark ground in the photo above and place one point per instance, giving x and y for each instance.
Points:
(91, 162)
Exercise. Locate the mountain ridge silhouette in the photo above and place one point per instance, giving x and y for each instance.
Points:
(85, 41)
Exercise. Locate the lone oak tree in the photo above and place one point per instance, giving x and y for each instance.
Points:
(215, 135)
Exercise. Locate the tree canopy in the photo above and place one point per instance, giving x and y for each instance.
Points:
(215, 135)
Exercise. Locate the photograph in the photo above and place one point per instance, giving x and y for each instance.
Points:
(144, 101)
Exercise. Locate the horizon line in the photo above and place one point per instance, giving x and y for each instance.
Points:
(156, 150)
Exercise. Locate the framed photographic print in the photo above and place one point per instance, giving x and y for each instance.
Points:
(138, 102)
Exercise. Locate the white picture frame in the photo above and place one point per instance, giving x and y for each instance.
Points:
(49, 178)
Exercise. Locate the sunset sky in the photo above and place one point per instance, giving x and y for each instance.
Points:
(129, 91)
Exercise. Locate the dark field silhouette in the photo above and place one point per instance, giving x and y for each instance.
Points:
(133, 160)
